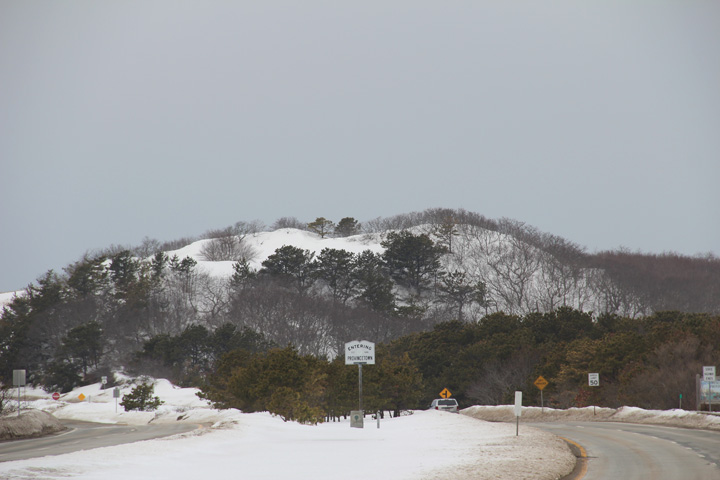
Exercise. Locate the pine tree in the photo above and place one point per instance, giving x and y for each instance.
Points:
(322, 226)
(141, 398)
(336, 267)
(293, 263)
(346, 227)
(412, 260)
(85, 343)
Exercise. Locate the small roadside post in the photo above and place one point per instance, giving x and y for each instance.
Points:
(518, 411)
(709, 376)
(594, 381)
(19, 381)
(116, 395)
(541, 383)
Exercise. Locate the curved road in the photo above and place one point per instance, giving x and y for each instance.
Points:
(632, 451)
(85, 436)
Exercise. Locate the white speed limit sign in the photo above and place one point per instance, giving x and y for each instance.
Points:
(594, 379)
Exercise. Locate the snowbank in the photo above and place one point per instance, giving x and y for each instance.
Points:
(674, 418)
(30, 423)
(423, 445)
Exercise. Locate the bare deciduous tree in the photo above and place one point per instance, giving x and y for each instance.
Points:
(499, 378)
(227, 245)
(287, 222)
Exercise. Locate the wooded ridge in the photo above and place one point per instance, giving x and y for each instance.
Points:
(454, 300)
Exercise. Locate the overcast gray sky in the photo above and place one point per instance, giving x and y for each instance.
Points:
(596, 121)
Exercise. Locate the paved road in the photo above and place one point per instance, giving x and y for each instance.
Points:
(85, 436)
(630, 451)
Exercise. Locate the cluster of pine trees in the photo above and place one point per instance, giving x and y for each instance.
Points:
(648, 362)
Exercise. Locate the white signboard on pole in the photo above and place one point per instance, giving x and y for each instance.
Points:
(518, 403)
(19, 378)
(709, 374)
(360, 352)
(594, 379)
(518, 411)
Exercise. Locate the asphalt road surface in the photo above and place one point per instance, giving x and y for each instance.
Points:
(85, 436)
(630, 451)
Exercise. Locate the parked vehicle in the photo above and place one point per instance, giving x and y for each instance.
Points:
(446, 404)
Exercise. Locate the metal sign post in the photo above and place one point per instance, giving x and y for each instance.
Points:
(116, 395)
(594, 381)
(19, 381)
(360, 405)
(359, 352)
(541, 383)
(518, 411)
(709, 376)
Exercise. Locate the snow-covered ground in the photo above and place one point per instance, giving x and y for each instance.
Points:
(675, 418)
(423, 445)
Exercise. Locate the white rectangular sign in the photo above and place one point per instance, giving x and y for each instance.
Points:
(594, 379)
(709, 374)
(19, 378)
(518, 403)
(360, 352)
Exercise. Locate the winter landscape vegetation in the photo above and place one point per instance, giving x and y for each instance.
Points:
(253, 318)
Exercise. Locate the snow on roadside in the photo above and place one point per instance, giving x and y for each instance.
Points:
(424, 445)
(674, 418)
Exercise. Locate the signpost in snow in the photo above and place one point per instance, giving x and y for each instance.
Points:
(541, 383)
(709, 376)
(116, 395)
(359, 352)
(518, 411)
(19, 381)
(594, 381)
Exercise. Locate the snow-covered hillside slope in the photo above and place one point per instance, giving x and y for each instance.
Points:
(519, 277)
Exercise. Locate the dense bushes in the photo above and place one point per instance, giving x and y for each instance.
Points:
(308, 389)
(645, 362)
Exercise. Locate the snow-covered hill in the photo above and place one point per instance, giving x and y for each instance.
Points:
(519, 276)
(264, 244)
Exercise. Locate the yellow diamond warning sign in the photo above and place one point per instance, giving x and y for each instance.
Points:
(445, 393)
(540, 382)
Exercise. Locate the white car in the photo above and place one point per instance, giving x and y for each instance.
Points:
(446, 404)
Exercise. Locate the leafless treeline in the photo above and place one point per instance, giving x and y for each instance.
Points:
(526, 270)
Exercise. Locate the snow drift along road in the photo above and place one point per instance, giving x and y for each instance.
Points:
(424, 445)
